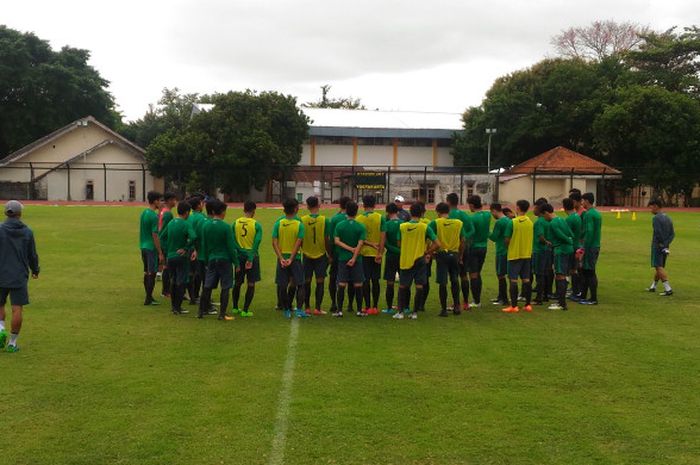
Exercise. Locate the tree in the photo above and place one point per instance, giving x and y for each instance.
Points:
(325, 102)
(670, 60)
(656, 133)
(42, 90)
(243, 141)
(599, 40)
(552, 103)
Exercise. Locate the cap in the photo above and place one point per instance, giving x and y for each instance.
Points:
(13, 207)
(399, 198)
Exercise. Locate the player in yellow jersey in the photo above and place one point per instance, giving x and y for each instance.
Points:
(247, 233)
(316, 249)
(519, 241)
(372, 253)
(287, 235)
(429, 273)
(413, 260)
(451, 235)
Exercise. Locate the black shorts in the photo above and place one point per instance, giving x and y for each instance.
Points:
(18, 295)
(351, 274)
(519, 268)
(391, 267)
(476, 260)
(178, 267)
(253, 274)
(294, 272)
(150, 261)
(315, 267)
(371, 269)
(219, 271)
(447, 267)
(418, 274)
(590, 258)
(658, 258)
(564, 263)
(501, 265)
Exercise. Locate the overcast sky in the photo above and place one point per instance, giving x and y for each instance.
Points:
(430, 55)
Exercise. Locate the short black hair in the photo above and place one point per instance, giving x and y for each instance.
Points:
(546, 208)
(452, 199)
(568, 204)
(343, 202)
(541, 201)
(210, 204)
(153, 196)
(249, 206)
(523, 205)
(656, 201)
(218, 207)
(474, 200)
(312, 201)
(183, 207)
(422, 207)
(442, 208)
(416, 210)
(351, 208)
(392, 208)
(589, 196)
(507, 210)
(169, 195)
(496, 207)
(575, 196)
(290, 206)
(195, 201)
(574, 190)
(369, 201)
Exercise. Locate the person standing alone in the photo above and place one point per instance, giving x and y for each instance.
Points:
(661, 241)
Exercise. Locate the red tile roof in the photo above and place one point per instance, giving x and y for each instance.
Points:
(561, 160)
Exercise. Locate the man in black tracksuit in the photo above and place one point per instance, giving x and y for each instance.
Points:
(17, 256)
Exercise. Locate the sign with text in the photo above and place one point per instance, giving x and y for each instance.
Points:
(370, 180)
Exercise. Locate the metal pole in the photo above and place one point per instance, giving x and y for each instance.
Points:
(534, 184)
(388, 184)
(488, 158)
(425, 184)
(104, 167)
(353, 192)
(31, 180)
(461, 185)
(68, 175)
(602, 183)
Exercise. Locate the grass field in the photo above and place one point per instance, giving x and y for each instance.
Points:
(103, 380)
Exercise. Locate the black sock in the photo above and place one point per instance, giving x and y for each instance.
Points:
(476, 289)
(358, 297)
(585, 279)
(502, 290)
(225, 293)
(403, 298)
(593, 285)
(418, 300)
(307, 295)
(236, 293)
(540, 288)
(175, 299)
(249, 293)
(205, 301)
(166, 282)
(389, 295)
(282, 297)
(513, 293)
(527, 292)
(197, 282)
(408, 298)
(442, 291)
(291, 292)
(333, 291)
(366, 293)
(320, 289)
(455, 295)
(351, 298)
(465, 290)
(341, 297)
(426, 291)
(375, 293)
(561, 292)
(301, 295)
(549, 281)
(145, 287)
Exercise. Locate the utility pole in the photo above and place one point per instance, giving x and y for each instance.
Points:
(490, 132)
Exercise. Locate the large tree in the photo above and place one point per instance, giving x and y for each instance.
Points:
(244, 140)
(599, 40)
(42, 90)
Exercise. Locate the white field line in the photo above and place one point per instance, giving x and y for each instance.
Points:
(285, 399)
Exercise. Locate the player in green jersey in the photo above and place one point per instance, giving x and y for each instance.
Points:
(333, 272)
(248, 236)
(196, 219)
(501, 230)
(541, 262)
(287, 236)
(592, 225)
(574, 221)
(179, 236)
(149, 242)
(477, 255)
(349, 236)
(165, 217)
(663, 235)
(455, 213)
(316, 250)
(220, 255)
(562, 244)
(391, 261)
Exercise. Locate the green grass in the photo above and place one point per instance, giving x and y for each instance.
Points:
(103, 380)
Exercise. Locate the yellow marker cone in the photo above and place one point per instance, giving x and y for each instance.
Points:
(634, 216)
(618, 215)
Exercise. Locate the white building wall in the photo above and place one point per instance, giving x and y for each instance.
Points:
(415, 156)
(445, 157)
(333, 155)
(375, 155)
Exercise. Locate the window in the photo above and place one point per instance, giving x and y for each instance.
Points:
(89, 191)
(420, 194)
(132, 191)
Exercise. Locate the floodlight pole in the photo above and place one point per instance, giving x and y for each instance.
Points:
(490, 132)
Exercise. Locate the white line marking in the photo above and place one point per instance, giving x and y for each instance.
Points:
(285, 399)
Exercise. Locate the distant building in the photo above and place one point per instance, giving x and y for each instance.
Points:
(84, 160)
(552, 174)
